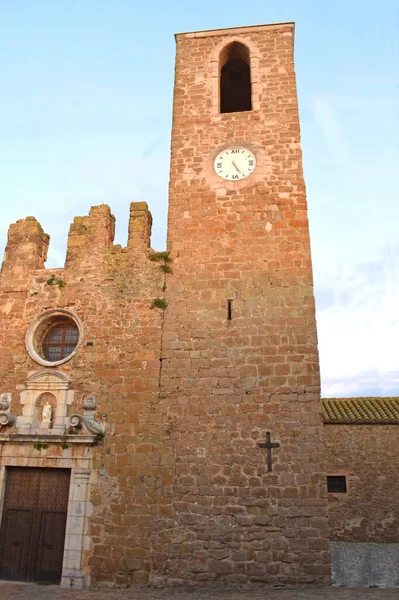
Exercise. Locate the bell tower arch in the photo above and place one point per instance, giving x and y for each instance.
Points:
(235, 78)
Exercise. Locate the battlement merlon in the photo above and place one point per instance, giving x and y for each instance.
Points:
(26, 249)
(88, 237)
(140, 224)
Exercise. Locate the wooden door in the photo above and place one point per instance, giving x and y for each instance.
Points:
(32, 532)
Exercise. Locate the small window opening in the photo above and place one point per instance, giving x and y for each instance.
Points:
(60, 340)
(336, 484)
(235, 79)
(229, 310)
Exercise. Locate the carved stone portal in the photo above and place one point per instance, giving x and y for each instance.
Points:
(45, 400)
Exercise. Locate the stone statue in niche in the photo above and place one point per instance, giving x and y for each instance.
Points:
(46, 414)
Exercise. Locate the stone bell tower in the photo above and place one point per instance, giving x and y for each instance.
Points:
(240, 372)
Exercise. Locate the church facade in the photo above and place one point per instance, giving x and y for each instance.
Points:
(160, 412)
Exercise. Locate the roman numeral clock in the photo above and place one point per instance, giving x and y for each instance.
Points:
(234, 163)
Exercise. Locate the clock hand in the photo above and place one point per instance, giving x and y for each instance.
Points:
(236, 168)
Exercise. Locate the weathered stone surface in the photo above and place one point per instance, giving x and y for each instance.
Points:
(225, 382)
(368, 457)
(111, 290)
(26, 249)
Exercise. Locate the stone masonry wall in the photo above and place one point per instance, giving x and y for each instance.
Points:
(224, 383)
(368, 456)
(183, 491)
(111, 290)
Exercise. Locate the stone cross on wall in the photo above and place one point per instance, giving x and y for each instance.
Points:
(269, 445)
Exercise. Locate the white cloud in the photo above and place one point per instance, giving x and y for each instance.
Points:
(327, 119)
(358, 326)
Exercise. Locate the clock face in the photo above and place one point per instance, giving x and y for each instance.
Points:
(234, 163)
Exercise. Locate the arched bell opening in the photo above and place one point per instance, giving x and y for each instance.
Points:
(235, 78)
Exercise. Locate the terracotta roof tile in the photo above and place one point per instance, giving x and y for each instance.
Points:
(367, 411)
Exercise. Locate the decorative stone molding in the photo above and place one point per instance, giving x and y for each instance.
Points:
(89, 404)
(6, 418)
(31, 425)
(4, 402)
(32, 446)
(89, 425)
(33, 335)
(87, 420)
(46, 438)
(45, 385)
(76, 538)
(48, 381)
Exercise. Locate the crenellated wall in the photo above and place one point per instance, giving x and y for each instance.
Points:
(111, 290)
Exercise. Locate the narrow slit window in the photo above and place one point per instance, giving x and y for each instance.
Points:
(235, 79)
(229, 310)
(336, 484)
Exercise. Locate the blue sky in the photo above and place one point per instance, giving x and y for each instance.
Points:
(85, 118)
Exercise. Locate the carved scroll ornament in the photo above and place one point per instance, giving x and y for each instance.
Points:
(6, 418)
